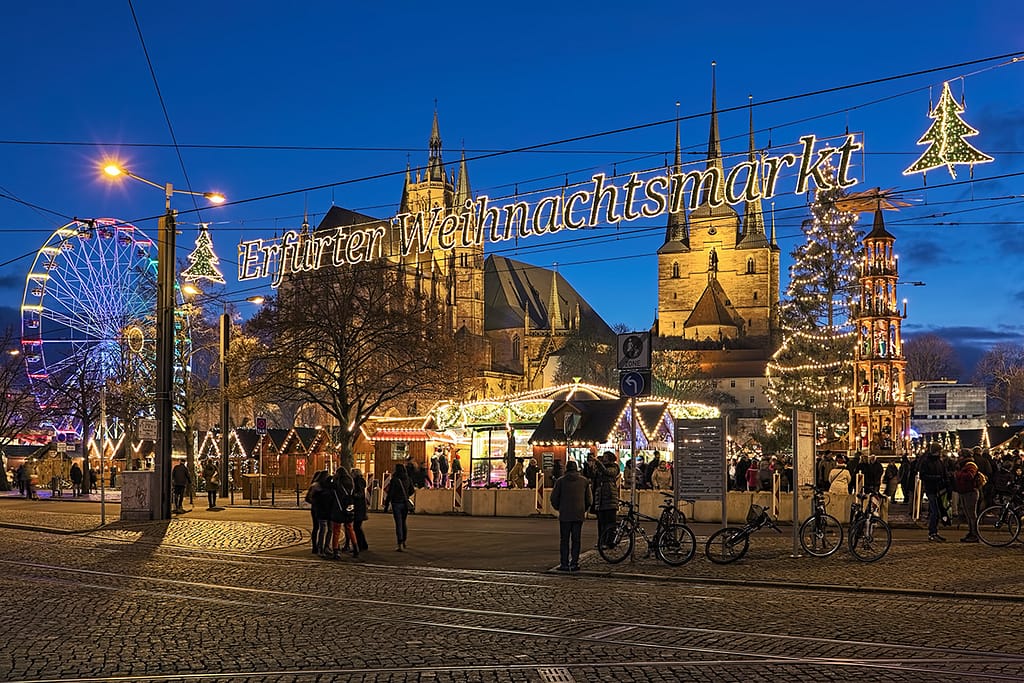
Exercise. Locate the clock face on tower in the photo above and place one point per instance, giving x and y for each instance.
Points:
(712, 230)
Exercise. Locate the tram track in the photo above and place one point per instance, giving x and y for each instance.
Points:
(619, 635)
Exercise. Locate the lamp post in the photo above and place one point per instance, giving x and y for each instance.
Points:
(164, 337)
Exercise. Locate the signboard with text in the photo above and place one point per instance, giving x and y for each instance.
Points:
(699, 459)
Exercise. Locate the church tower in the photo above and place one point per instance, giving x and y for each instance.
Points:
(455, 277)
(718, 273)
(880, 415)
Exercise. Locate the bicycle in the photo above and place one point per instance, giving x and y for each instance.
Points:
(673, 544)
(821, 534)
(999, 525)
(731, 543)
(870, 535)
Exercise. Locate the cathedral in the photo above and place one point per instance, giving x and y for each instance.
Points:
(718, 286)
(514, 317)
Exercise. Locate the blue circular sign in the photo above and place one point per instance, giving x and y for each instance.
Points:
(632, 384)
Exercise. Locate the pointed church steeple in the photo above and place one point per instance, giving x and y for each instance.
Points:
(403, 206)
(677, 232)
(752, 231)
(462, 191)
(714, 139)
(435, 167)
(554, 305)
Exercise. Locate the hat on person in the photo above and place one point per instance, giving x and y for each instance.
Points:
(970, 467)
(571, 466)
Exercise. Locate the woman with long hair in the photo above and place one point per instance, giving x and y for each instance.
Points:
(359, 514)
(342, 513)
(398, 492)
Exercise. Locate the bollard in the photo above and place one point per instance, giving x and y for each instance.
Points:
(272, 486)
(298, 504)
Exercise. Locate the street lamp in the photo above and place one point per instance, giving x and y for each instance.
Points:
(225, 407)
(164, 336)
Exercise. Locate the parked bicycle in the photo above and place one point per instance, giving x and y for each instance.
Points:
(999, 525)
(731, 543)
(673, 543)
(870, 535)
(821, 534)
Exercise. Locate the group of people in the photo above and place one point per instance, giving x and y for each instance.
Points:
(757, 473)
(338, 508)
(576, 493)
(523, 475)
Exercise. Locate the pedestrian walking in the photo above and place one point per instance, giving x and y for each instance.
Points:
(397, 498)
(572, 498)
(361, 506)
(211, 482)
(179, 479)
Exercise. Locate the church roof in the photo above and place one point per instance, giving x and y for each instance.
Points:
(878, 230)
(513, 289)
(713, 308)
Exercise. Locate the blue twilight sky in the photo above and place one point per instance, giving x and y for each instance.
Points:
(269, 98)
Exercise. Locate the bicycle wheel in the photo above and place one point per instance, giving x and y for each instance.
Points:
(821, 536)
(675, 545)
(997, 527)
(616, 543)
(727, 545)
(870, 539)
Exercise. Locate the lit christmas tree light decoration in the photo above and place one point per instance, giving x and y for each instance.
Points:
(945, 138)
(812, 370)
(203, 261)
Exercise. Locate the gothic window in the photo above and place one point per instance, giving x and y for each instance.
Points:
(732, 384)
(675, 270)
(464, 260)
(750, 266)
(515, 347)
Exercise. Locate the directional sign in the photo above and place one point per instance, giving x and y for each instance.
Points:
(147, 429)
(635, 383)
(700, 459)
(634, 351)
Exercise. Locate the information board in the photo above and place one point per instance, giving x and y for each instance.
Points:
(699, 459)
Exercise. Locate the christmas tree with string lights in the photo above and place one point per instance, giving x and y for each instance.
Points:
(945, 138)
(812, 370)
(203, 261)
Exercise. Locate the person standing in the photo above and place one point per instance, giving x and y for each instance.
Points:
(19, 477)
(839, 478)
(93, 480)
(456, 478)
(934, 481)
(317, 533)
(517, 477)
(342, 517)
(531, 474)
(359, 515)
(211, 481)
(179, 479)
(442, 467)
(969, 482)
(323, 502)
(872, 471)
(435, 472)
(76, 480)
(113, 476)
(606, 502)
(572, 498)
(397, 498)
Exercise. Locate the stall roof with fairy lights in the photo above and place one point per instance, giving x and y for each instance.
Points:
(655, 415)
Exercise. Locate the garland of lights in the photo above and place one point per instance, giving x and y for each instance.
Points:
(945, 138)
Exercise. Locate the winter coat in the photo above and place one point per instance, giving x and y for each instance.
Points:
(342, 501)
(359, 496)
(179, 475)
(934, 474)
(531, 475)
(571, 497)
(517, 477)
(839, 480)
(399, 490)
(323, 498)
(753, 479)
(662, 478)
(605, 488)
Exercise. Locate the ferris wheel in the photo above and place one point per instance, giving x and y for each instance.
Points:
(88, 313)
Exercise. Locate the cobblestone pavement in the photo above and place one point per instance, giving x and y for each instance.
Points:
(99, 606)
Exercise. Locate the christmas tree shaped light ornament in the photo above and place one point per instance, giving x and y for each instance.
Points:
(203, 261)
(946, 139)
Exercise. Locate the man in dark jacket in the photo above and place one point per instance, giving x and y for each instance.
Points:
(606, 500)
(934, 480)
(76, 480)
(179, 480)
(572, 498)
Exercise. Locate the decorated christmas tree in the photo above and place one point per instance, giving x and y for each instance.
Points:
(945, 138)
(812, 368)
(202, 261)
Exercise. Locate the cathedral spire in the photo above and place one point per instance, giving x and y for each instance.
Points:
(753, 217)
(554, 306)
(403, 206)
(435, 167)
(677, 232)
(714, 140)
(462, 191)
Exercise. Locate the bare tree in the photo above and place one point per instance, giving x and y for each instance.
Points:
(18, 408)
(355, 341)
(1001, 370)
(586, 354)
(930, 357)
(678, 372)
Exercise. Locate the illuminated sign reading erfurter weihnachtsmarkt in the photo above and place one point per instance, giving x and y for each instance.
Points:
(601, 202)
